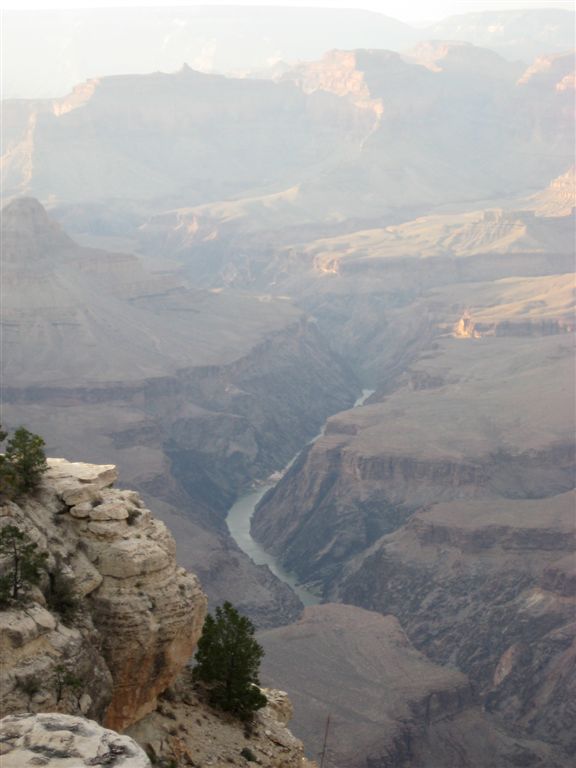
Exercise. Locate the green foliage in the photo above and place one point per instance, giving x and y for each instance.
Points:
(228, 661)
(60, 595)
(24, 462)
(247, 754)
(29, 685)
(21, 563)
(8, 479)
(64, 679)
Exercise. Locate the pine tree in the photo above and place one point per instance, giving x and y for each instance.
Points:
(25, 460)
(7, 475)
(228, 661)
(22, 563)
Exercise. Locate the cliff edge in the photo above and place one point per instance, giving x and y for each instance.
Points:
(121, 657)
(140, 615)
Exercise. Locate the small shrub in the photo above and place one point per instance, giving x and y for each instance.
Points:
(29, 685)
(247, 754)
(5, 590)
(60, 595)
(23, 463)
(64, 679)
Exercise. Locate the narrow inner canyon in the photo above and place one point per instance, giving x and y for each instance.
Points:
(239, 519)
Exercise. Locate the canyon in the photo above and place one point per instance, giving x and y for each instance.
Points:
(122, 658)
(98, 365)
(447, 499)
(201, 274)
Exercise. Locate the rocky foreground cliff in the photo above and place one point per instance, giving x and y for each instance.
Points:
(121, 658)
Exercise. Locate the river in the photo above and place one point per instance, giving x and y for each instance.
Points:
(241, 512)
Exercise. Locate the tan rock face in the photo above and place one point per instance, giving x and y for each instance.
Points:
(143, 614)
(151, 615)
(63, 741)
(386, 701)
(37, 656)
(186, 731)
(487, 585)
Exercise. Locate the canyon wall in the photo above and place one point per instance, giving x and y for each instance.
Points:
(140, 617)
(361, 689)
(194, 394)
(447, 499)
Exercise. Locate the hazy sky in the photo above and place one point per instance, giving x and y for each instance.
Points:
(407, 10)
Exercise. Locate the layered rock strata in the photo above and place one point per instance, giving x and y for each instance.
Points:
(447, 500)
(387, 704)
(141, 614)
(333, 131)
(487, 586)
(376, 465)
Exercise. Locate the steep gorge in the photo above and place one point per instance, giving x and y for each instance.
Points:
(447, 500)
(194, 394)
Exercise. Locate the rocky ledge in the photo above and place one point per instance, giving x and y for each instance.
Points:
(64, 741)
(140, 615)
(183, 731)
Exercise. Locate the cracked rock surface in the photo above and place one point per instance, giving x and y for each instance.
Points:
(65, 741)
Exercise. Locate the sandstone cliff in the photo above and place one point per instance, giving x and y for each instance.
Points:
(141, 614)
(122, 658)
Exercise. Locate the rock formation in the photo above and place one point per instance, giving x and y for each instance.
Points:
(141, 614)
(523, 33)
(332, 131)
(185, 731)
(487, 586)
(65, 741)
(447, 500)
(194, 394)
(240, 41)
(559, 198)
(364, 220)
(122, 659)
(388, 704)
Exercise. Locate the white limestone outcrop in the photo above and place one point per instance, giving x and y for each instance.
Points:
(65, 741)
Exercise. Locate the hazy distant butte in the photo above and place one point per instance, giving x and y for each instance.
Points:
(359, 134)
(76, 315)
(186, 137)
(77, 44)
